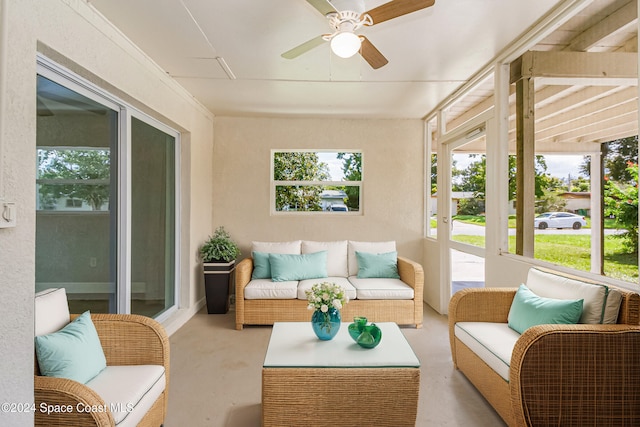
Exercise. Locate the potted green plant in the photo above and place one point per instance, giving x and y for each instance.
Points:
(218, 254)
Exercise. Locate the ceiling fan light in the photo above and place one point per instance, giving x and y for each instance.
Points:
(345, 44)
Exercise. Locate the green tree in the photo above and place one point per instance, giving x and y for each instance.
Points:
(616, 155)
(621, 202)
(542, 180)
(580, 184)
(352, 170)
(299, 166)
(81, 174)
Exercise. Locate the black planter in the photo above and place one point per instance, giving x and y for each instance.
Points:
(218, 279)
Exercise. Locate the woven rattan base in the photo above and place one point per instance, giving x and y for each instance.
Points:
(340, 396)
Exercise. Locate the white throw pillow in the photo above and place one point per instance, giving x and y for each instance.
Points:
(292, 247)
(596, 296)
(336, 255)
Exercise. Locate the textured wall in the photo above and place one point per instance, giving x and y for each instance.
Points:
(392, 179)
(72, 34)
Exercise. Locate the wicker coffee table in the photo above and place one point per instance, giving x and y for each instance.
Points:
(307, 382)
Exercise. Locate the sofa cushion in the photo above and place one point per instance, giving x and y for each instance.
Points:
(261, 265)
(529, 309)
(51, 311)
(381, 288)
(343, 282)
(129, 391)
(74, 352)
(285, 267)
(596, 305)
(336, 255)
(371, 247)
(292, 247)
(492, 342)
(383, 265)
(268, 289)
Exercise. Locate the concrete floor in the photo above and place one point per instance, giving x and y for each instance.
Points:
(215, 377)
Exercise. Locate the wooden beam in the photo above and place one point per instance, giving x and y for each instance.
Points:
(623, 17)
(578, 65)
(525, 176)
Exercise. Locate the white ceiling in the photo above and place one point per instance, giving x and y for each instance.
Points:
(431, 53)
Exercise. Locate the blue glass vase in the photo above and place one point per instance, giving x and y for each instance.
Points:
(326, 325)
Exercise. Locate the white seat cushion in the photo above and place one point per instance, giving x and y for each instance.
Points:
(268, 289)
(51, 311)
(343, 282)
(336, 255)
(129, 391)
(381, 288)
(491, 342)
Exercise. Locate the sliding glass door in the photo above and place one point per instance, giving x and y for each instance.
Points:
(106, 209)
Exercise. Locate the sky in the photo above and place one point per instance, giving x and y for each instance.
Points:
(335, 165)
(558, 165)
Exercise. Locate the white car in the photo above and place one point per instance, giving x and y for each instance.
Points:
(559, 220)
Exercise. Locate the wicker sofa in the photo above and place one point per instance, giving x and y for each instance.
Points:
(552, 374)
(260, 301)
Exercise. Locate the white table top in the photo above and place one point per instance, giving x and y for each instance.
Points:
(294, 344)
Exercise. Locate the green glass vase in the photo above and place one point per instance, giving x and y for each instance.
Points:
(370, 337)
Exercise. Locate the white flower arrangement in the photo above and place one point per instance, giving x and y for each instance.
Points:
(323, 296)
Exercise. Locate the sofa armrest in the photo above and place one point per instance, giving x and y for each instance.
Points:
(244, 270)
(52, 394)
(412, 274)
(576, 375)
(478, 305)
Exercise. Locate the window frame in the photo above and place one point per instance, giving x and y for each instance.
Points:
(292, 183)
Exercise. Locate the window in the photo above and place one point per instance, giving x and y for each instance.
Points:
(106, 199)
(316, 181)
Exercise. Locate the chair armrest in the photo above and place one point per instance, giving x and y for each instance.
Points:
(131, 339)
(478, 305)
(576, 375)
(412, 274)
(53, 394)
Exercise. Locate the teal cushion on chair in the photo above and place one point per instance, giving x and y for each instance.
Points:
(372, 265)
(74, 352)
(285, 267)
(529, 309)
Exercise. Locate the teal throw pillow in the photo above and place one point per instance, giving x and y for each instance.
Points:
(286, 267)
(529, 309)
(74, 352)
(261, 266)
(372, 265)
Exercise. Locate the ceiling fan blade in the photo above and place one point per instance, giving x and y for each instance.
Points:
(304, 47)
(396, 8)
(322, 6)
(372, 55)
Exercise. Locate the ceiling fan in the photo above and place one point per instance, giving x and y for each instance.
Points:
(346, 17)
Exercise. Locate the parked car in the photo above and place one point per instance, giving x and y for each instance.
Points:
(336, 207)
(559, 220)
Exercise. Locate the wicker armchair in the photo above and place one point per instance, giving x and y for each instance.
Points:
(569, 375)
(126, 340)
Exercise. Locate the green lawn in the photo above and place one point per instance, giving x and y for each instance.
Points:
(480, 220)
(574, 251)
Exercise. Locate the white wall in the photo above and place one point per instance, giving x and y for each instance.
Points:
(73, 34)
(393, 185)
